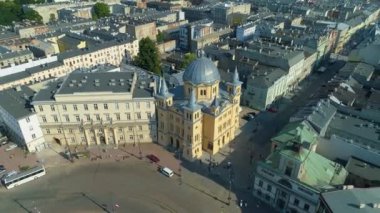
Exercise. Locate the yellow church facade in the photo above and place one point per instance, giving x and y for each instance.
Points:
(200, 116)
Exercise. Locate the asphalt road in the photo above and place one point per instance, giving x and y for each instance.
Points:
(135, 186)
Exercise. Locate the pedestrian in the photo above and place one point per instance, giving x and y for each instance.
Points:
(245, 204)
(241, 203)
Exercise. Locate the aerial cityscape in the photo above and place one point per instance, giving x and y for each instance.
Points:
(257, 106)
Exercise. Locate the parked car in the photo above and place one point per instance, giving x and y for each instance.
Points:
(4, 142)
(153, 158)
(11, 147)
(248, 117)
(166, 171)
(273, 110)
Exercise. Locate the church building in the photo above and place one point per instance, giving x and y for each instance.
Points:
(202, 115)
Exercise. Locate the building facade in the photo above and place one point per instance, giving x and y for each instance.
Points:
(202, 116)
(19, 119)
(98, 108)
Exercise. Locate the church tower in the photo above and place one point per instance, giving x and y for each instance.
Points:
(164, 101)
(192, 146)
(234, 91)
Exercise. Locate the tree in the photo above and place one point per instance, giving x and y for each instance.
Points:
(33, 16)
(101, 10)
(52, 17)
(189, 57)
(148, 57)
(160, 37)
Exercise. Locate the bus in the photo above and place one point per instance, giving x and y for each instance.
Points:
(23, 177)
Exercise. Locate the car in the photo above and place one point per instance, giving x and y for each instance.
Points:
(11, 147)
(166, 171)
(2, 167)
(271, 109)
(153, 158)
(250, 116)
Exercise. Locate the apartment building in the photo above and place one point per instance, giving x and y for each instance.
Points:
(293, 176)
(264, 86)
(192, 31)
(13, 58)
(19, 119)
(33, 75)
(142, 29)
(112, 52)
(92, 108)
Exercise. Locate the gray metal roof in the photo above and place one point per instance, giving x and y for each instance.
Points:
(201, 71)
(363, 169)
(348, 201)
(97, 82)
(17, 101)
(359, 131)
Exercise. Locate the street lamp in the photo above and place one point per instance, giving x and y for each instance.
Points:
(230, 184)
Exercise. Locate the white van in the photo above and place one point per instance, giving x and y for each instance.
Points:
(166, 171)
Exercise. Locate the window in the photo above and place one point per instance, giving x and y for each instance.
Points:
(47, 131)
(43, 118)
(70, 130)
(148, 105)
(52, 108)
(85, 107)
(127, 105)
(138, 105)
(105, 106)
(108, 117)
(288, 171)
(140, 128)
(95, 107)
(306, 207)
(141, 136)
(77, 118)
(34, 136)
(138, 115)
(67, 118)
(64, 107)
(118, 117)
(296, 202)
(149, 115)
(116, 106)
(27, 119)
(131, 137)
(41, 108)
(55, 118)
(59, 131)
(75, 107)
(261, 183)
(128, 116)
(88, 118)
(130, 128)
(97, 117)
(269, 188)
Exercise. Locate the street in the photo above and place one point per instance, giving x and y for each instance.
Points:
(128, 186)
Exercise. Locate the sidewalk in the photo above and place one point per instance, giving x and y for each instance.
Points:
(16, 158)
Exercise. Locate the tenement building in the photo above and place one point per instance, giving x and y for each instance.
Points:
(200, 115)
(98, 108)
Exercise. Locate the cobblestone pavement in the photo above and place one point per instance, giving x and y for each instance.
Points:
(16, 158)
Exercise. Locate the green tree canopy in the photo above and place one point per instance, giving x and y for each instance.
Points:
(33, 16)
(160, 37)
(189, 57)
(148, 57)
(12, 11)
(101, 10)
